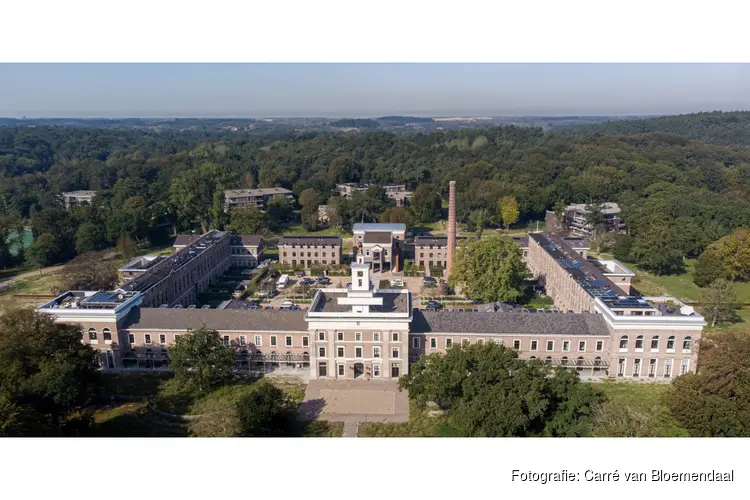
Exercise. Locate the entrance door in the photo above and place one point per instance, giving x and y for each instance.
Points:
(359, 369)
(395, 372)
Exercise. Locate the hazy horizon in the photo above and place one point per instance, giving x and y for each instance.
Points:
(256, 91)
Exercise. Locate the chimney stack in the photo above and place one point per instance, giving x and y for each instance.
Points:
(451, 226)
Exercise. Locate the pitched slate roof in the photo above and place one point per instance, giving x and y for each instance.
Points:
(502, 322)
(248, 240)
(149, 318)
(310, 240)
(381, 237)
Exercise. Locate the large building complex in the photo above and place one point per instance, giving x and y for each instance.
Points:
(577, 219)
(397, 193)
(599, 327)
(257, 198)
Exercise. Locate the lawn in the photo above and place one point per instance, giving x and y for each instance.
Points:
(42, 285)
(420, 424)
(645, 402)
(167, 395)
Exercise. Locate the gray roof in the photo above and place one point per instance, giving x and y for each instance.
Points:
(310, 240)
(381, 237)
(149, 318)
(514, 323)
(395, 226)
(247, 240)
(392, 303)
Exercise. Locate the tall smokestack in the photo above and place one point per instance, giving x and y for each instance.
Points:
(451, 226)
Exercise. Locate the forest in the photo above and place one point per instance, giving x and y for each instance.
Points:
(682, 182)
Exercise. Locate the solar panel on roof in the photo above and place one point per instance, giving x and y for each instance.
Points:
(599, 283)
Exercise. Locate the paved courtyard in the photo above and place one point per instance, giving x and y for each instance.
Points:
(355, 401)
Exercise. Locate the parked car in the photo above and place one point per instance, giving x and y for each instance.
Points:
(434, 305)
(307, 281)
(399, 283)
(299, 274)
(429, 281)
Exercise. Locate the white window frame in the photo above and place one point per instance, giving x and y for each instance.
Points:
(226, 340)
(339, 336)
(131, 339)
(627, 343)
(397, 352)
(599, 346)
(376, 370)
(642, 339)
(416, 343)
(433, 343)
(688, 338)
(465, 341)
(95, 340)
(519, 344)
(448, 342)
(684, 366)
(637, 363)
(579, 346)
(376, 351)
(342, 349)
(259, 341)
(274, 341)
(105, 331)
(361, 352)
(376, 336)
(668, 367)
(358, 336)
(563, 346)
(147, 338)
(534, 345)
(498, 340)
(341, 370)
(288, 341)
(480, 341)
(243, 340)
(548, 344)
(321, 336)
(322, 349)
(394, 336)
(655, 364)
(651, 345)
(162, 339)
(674, 341)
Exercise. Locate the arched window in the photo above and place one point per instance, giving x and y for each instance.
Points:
(107, 335)
(564, 361)
(624, 342)
(687, 344)
(670, 343)
(655, 343)
(639, 342)
(306, 356)
(274, 357)
(532, 357)
(92, 334)
(597, 362)
(548, 360)
(579, 361)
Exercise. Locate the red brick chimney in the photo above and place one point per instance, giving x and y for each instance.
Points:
(451, 226)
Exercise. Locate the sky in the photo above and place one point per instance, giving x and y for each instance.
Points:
(368, 90)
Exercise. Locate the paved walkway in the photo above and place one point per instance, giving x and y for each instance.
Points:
(354, 401)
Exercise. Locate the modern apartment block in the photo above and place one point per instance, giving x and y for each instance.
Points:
(396, 192)
(576, 219)
(258, 198)
(308, 251)
(179, 278)
(73, 198)
(347, 189)
(379, 245)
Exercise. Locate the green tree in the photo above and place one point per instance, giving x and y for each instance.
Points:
(336, 211)
(734, 252)
(309, 197)
(425, 203)
(509, 210)
(708, 268)
(200, 359)
(490, 392)
(716, 400)
(247, 220)
(47, 375)
(264, 412)
(719, 302)
(193, 193)
(309, 217)
(479, 220)
(491, 269)
(278, 213)
(126, 247)
(366, 206)
(89, 271)
(656, 250)
(43, 252)
(396, 214)
(91, 237)
(622, 246)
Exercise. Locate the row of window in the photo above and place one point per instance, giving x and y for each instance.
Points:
(358, 350)
(106, 334)
(358, 336)
(302, 254)
(302, 262)
(687, 343)
(653, 364)
(226, 339)
(550, 346)
(341, 370)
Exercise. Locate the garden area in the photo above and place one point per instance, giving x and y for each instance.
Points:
(218, 408)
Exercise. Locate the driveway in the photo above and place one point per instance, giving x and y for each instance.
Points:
(354, 401)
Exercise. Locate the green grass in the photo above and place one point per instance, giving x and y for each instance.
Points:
(646, 402)
(420, 424)
(329, 231)
(41, 285)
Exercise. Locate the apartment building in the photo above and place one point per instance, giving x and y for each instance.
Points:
(431, 251)
(379, 245)
(179, 278)
(258, 198)
(347, 189)
(308, 251)
(73, 198)
(396, 192)
(577, 219)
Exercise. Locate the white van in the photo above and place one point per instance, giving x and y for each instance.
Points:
(283, 280)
